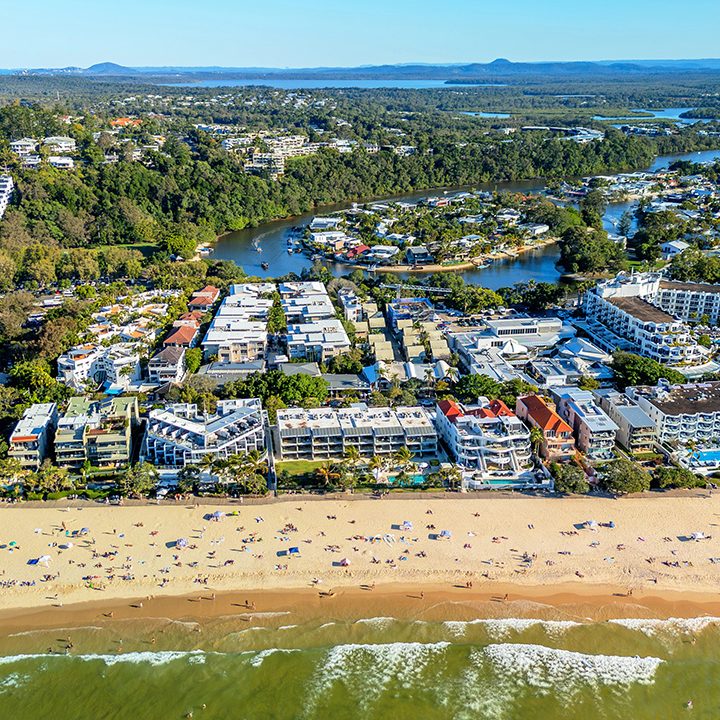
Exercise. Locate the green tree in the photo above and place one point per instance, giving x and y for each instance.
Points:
(621, 477)
(677, 477)
(193, 360)
(138, 480)
(631, 370)
(569, 478)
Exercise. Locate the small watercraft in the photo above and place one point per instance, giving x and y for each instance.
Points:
(264, 265)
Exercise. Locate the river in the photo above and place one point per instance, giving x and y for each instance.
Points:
(539, 265)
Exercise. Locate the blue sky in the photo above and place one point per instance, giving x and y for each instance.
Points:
(305, 33)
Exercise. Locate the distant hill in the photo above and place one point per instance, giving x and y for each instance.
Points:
(459, 72)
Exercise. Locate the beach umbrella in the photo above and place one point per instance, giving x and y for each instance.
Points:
(445, 534)
(85, 531)
(12, 543)
(344, 562)
(217, 515)
(294, 551)
(44, 559)
(181, 542)
(698, 536)
(592, 524)
(407, 525)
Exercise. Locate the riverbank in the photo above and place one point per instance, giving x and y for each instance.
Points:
(113, 554)
(475, 264)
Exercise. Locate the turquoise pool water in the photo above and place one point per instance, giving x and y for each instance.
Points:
(411, 480)
(707, 456)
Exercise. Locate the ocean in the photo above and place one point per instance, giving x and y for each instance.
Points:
(271, 666)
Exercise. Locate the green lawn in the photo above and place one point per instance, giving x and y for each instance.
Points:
(298, 467)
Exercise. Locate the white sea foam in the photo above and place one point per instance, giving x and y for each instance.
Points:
(672, 626)
(502, 628)
(13, 680)
(287, 627)
(162, 657)
(553, 669)
(259, 659)
(380, 622)
(365, 670)
(39, 631)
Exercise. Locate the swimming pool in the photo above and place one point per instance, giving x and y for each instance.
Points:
(411, 480)
(706, 456)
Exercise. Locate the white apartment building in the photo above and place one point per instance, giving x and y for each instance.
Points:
(327, 433)
(314, 333)
(620, 314)
(682, 414)
(168, 366)
(351, 305)
(23, 147)
(689, 301)
(318, 341)
(117, 365)
(32, 437)
(59, 144)
(487, 440)
(594, 431)
(61, 161)
(180, 435)
(238, 332)
(636, 429)
(6, 190)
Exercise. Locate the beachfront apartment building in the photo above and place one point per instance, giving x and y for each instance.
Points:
(683, 414)
(620, 314)
(637, 432)
(6, 190)
(96, 432)
(594, 431)
(117, 365)
(558, 443)
(238, 332)
(486, 439)
(31, 439)
(180, 435)
(327, 433)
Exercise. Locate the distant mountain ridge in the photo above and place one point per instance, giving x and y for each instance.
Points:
(450, 72)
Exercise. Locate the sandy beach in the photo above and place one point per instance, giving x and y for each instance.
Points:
(107, 554)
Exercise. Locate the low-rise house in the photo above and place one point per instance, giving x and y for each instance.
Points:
(97, 432)
(181, 336)
(23, 147)
(317, 341)
(180, 435)
(60, 161)
(351, 305)
(558, 442)
(487, 439)
(168, 366)
(6, 190)
(327, 433)
(204, 299)
(32, 437)
(59, 144)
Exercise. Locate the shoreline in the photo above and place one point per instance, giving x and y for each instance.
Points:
(432, 602)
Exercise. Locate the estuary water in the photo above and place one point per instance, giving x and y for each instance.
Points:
(539, 265)
(374, 668)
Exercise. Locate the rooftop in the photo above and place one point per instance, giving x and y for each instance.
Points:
(642, 310)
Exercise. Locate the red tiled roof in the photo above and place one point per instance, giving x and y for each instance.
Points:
(450, 409)
(181, 335)
(546, 418)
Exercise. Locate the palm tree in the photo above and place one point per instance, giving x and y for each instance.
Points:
(209, 463)
(377, 464)
(452, 476)
(326, 473)
(352, 455)
(404, 458)
(256, 462)
(537, 438)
